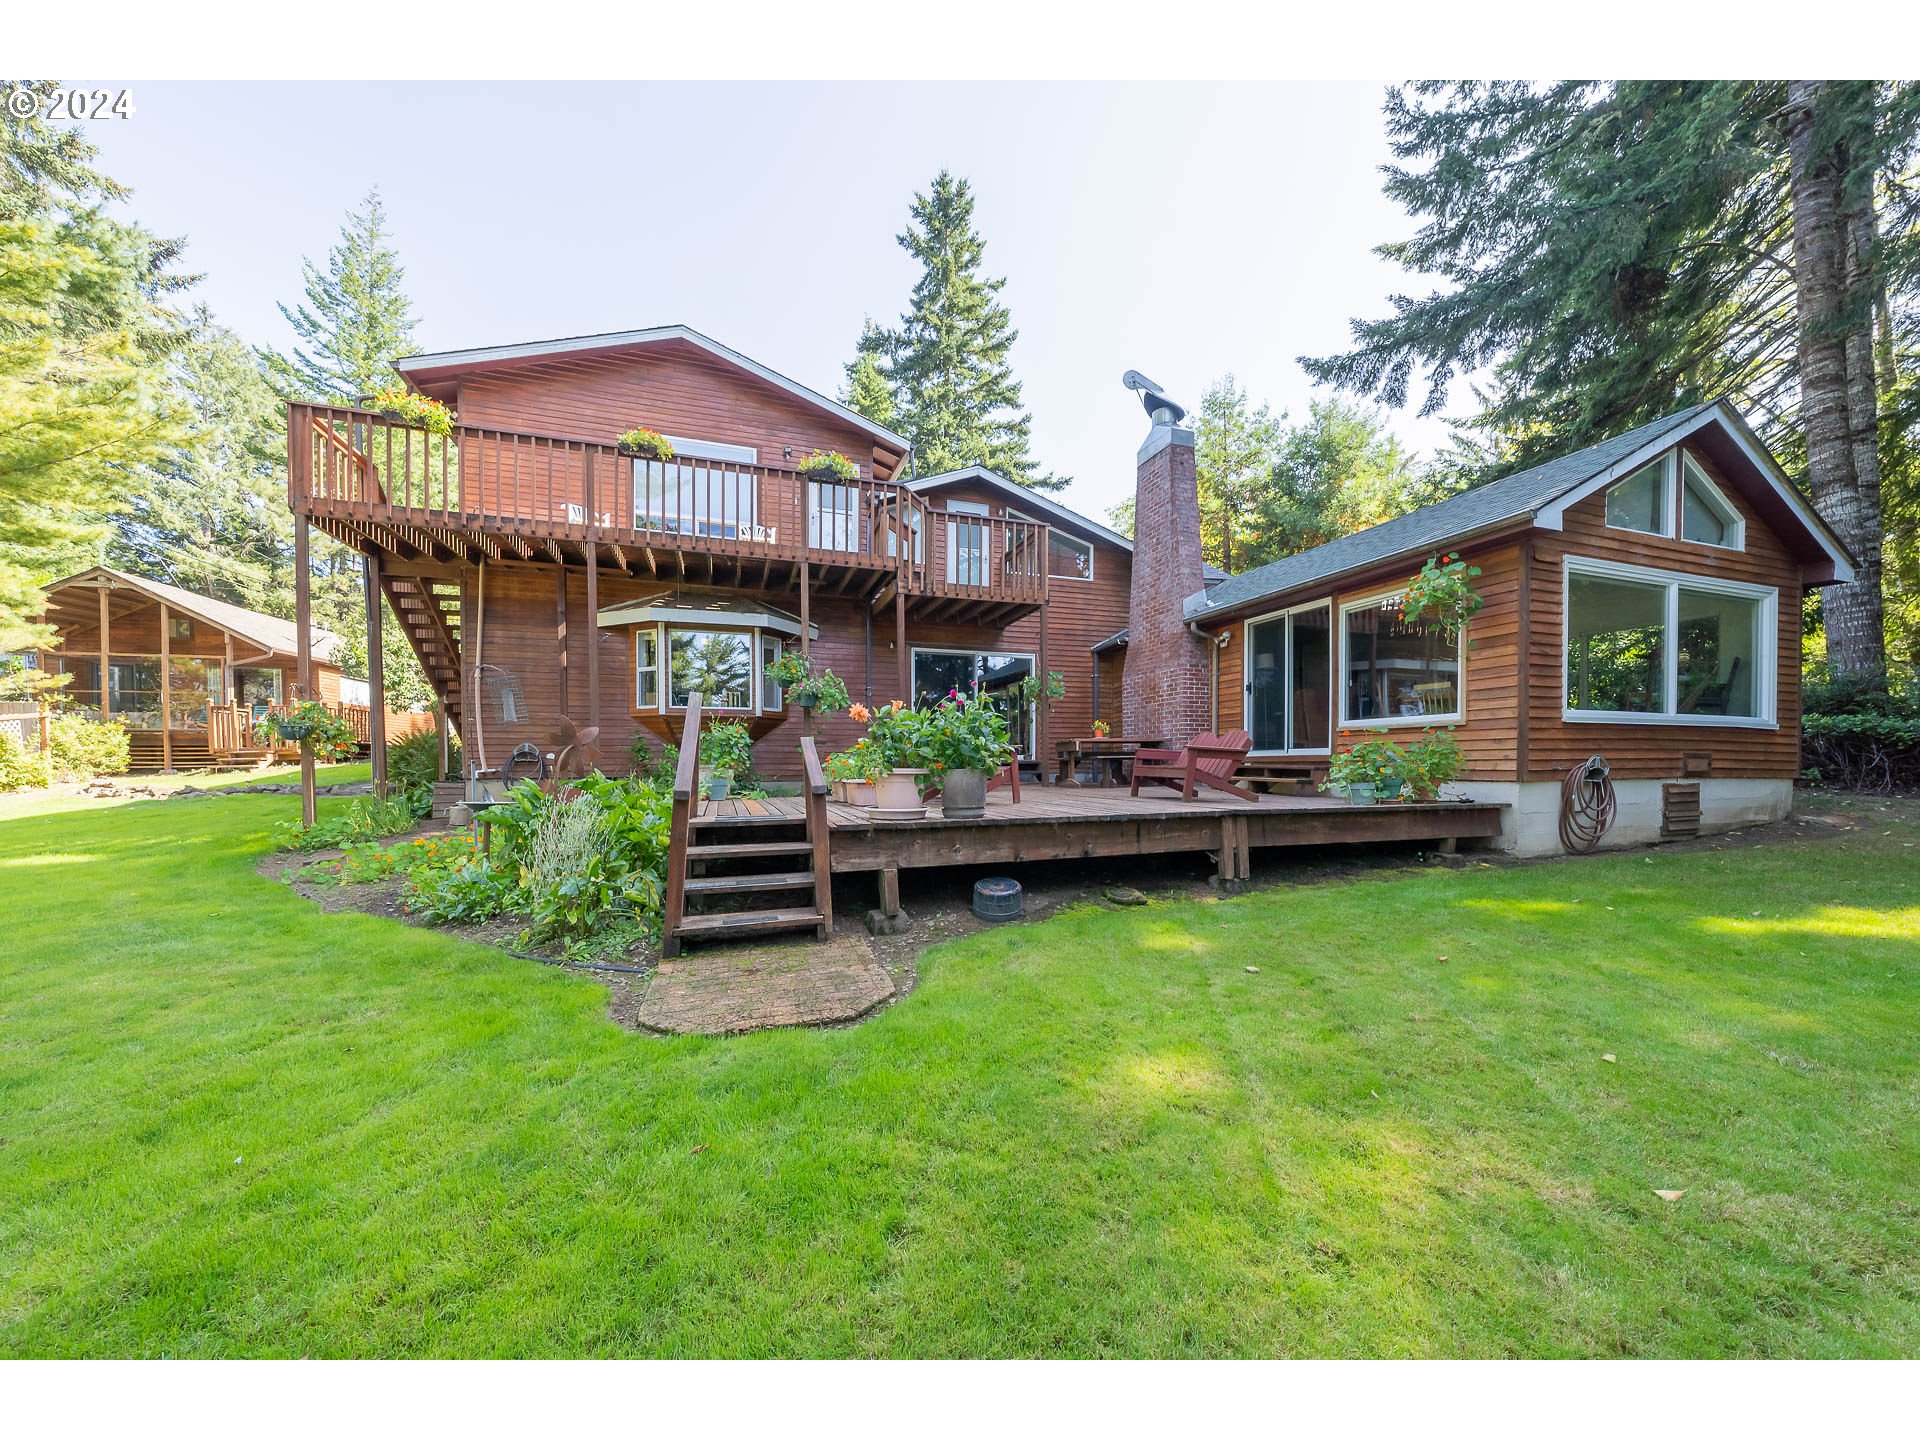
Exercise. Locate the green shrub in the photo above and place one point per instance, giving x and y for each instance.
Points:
(83, 748)
(413, 766)
(363, 819)
(1862, 732)
(20, 768)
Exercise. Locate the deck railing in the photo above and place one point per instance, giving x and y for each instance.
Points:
(354, 464)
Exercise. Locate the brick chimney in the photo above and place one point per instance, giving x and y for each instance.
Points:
(1168, 686)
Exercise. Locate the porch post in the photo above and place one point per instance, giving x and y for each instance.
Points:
(440, 733)
(303, 624)
(1041, 727)
(166, 689)
(106, 696)
(376, 681)
(593, 633)
(900, 643)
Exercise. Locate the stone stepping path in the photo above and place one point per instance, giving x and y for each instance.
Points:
(757, 987)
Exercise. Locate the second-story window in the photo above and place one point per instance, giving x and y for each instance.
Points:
(707, 489)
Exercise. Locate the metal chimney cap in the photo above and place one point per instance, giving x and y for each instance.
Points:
(1160, 409)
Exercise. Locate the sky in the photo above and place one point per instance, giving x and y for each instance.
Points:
(1185, 230)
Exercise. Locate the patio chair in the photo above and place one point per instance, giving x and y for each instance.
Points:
(1207, 761)
(1007, 777)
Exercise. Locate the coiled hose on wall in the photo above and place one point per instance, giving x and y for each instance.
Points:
(1586, 803)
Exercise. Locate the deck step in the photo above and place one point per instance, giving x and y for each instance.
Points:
(744, 884)
(751, 850)
(722, 822)
(747, 922)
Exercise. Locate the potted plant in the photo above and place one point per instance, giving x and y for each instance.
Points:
(895, 732)
(1430, 762)
(1029, 688)
(829, 465)
(854, 770)
(808, 688)
(646, 444)
(726, 750)
(409, 407)
(312, 725)
(964, 741)
(1368, 772)
(1101, 730)
(1442, 596)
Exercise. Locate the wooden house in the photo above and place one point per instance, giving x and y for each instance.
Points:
(540, 573)
(212, 669)
(1642, 604)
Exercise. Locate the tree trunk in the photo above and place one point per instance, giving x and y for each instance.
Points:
(1818, 171)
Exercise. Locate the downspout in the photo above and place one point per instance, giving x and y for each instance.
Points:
(479, 708)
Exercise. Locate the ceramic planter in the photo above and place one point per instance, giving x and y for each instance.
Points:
(964, 794)
(897, 797)
(720, 785)
(1361, 792)
(1387, 791)
(858, 792)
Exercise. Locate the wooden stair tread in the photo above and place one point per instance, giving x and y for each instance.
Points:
(750, 850)
(744, 921)
(709, 822)
(734, 884)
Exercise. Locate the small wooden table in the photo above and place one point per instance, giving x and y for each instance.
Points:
(1109, 753)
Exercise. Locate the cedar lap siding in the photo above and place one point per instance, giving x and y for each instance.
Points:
(1513, 727)
(536, 623)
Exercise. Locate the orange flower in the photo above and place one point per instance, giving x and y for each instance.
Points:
(860, 713)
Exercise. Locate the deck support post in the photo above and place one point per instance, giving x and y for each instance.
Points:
(1236, 857)
(1042, 727)
(376, 680)
(166, 687)
(303, 640)
(593, 633)
(560, 630)
(440, 734)
(889, 892)
(806, 636)
(106, 688)
(900, 643)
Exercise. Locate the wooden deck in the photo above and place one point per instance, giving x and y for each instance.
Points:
(1056, 822)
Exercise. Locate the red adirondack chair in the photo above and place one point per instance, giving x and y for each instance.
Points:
(1208, 760)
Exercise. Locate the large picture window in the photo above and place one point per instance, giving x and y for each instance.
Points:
(686, 496)
(1395, 672)
(1289, 680)
(1652, 646)
(717, 663)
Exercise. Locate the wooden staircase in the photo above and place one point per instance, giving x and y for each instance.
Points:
(763, 873)
(429, 613)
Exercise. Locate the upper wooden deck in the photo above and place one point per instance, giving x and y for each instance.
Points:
(483, 494)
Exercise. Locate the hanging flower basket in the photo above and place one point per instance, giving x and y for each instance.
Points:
(408, 407)
(828, 465)
(1442, 596)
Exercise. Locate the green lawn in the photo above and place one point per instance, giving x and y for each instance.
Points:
(230, 1124)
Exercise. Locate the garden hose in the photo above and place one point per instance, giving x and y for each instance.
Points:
(1587, 804)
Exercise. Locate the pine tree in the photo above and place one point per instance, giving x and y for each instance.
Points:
(867, 392)
(1234, 448)
(212, 516)
(1338, 472)
(356, 319)
(1615, 251)
(947, 363)
(84, 335)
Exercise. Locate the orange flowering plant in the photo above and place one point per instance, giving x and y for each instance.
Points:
(965, 733)
(1442, 594)
(828, 465)
(650, 443)
(414, 408)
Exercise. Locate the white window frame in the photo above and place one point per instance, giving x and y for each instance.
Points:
(1691, 469)
(1033, 666)
(661, 631)
(1457, 716)
(640, 633)
(1668, 495)
(712, 450)
(1246, 674)
(1068, 536)
(1767, 642)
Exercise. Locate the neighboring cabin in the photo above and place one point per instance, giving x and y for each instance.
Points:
(540, 573)
(1642, 603)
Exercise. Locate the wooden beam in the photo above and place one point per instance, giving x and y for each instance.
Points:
(1041, 750)
(303, 625)
(376, 680)
(106, 621)
(904, 660)
(166, 687)
(593, 634)
(560, 630)
(806, 609)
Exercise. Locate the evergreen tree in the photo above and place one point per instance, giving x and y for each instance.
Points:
(356, 319)
(1235, 446)
(1614, 251)
(84, 335)
(1339, 472)
(947, 362)
(212, 516)
(867, 392)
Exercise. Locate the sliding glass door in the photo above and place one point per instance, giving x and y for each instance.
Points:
(1290, 680)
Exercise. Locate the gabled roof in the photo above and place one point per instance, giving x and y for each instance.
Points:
(1033, 500)
(420, 368)
(1540, 497)
(269, 632)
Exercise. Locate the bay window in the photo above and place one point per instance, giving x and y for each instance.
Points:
(725, 662)
(1396, 672)
(1653, 646)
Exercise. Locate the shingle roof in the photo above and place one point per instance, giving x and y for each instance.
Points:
(1512, 497)
(269, 632)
